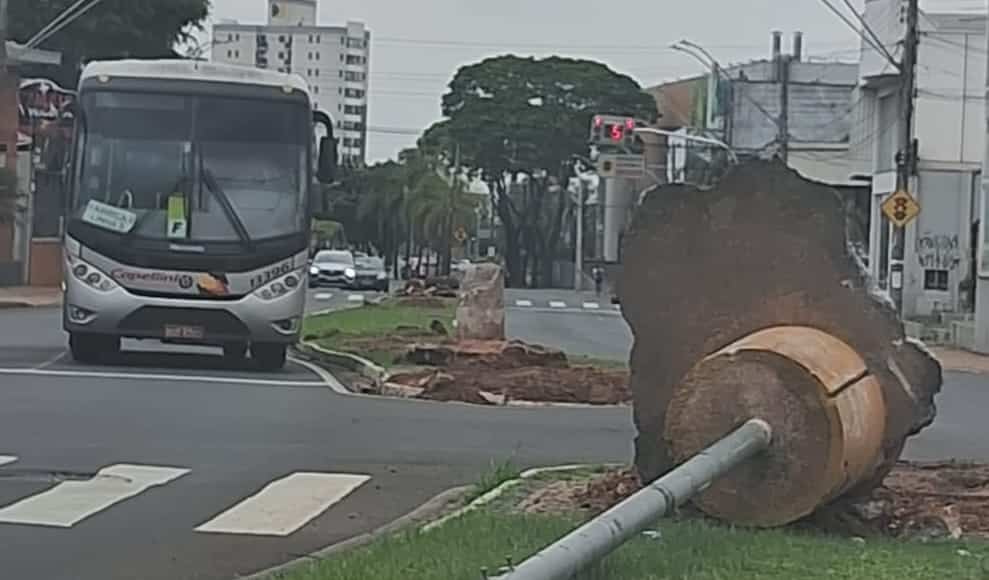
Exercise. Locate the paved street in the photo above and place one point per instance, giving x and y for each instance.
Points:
(167, 465)
(163, 466)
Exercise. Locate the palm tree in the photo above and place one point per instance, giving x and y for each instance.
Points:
(382, 209)
(438, 207)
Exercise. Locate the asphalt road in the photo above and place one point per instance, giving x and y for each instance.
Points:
(960, 429)
(168, 465)
(107, 472)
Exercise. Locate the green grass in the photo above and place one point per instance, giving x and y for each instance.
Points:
(338, 330)
(377, 320)
(499, 473)
(603, 363)
(686, 551)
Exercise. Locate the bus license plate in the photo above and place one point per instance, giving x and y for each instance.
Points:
(183, 331)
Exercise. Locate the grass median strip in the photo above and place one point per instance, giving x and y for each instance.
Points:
(686, 549)
(377, 332)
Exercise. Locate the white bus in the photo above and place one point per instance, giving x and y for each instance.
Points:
(189, 213)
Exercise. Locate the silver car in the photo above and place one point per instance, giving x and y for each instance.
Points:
(332, 268)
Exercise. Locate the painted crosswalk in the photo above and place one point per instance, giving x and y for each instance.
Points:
(285, 505)
(564, 305)
(70, 502)
(280, 508)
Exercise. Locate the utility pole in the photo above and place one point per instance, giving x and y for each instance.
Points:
(578, 273)
(3, 39)
(905, 161)
(784, 124)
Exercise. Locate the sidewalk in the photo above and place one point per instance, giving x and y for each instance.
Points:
(961, 360)
(29, 297)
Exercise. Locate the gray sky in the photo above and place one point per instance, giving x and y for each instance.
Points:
(416, 46)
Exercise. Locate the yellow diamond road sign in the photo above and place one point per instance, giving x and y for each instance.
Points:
(901, 208)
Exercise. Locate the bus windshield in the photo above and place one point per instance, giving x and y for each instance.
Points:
(192, 169)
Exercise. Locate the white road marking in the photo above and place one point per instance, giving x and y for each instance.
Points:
(557, 304)
(52, 360)
(523, 303)
(70, 502)
(591, 305)
(5, 459)
(158, 377)
(323, 296)
(285, 505)
(355, 298)
(328, 379)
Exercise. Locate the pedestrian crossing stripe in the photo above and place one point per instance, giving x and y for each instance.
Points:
(557, 304)
(70, 502)
(280, 508)
(285, 505)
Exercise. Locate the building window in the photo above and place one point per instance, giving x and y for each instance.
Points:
(354, 59)
(281, 55)
(317, 72)
(355, 43)
(310, 56)
(230, 54)
(315, 90)
(936, 280)
(317, 39)
(317, 56)
(237, 37)
(354, 109)
(339, 90)
(230, 37)
(343, 41)
(354, 93)
(341, 73)
(354, 76)
(237, 54)
(339, 107)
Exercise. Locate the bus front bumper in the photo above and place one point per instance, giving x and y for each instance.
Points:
(118, 312)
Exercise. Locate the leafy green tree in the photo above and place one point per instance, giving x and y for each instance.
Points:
(517, 123)
(112, 29)
(438, 207)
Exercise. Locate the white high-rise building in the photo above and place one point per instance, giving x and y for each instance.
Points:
(333, 59)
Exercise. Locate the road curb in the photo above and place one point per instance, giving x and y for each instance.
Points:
(424, 512)
(500, 490)
(351, 362)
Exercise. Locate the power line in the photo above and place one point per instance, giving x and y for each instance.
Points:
(878, 48)
(872, 34)
(555, 46)
(70, 15)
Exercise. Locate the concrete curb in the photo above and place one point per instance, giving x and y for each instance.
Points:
(351, 362)
(500, 490)
(426, 511)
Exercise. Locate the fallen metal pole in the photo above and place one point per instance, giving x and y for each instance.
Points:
(603, 534)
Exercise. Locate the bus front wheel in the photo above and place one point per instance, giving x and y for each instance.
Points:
(91, 348)
(269, 356)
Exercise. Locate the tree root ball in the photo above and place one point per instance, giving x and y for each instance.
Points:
(827, 415)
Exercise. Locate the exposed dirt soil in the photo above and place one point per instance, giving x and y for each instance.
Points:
(491, 372)
(916, 500)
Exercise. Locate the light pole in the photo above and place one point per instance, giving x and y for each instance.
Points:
(578, 273)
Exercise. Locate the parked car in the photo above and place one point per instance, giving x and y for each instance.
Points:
(332, 268)
(371, 274)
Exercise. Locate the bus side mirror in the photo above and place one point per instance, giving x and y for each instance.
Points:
(327, 168)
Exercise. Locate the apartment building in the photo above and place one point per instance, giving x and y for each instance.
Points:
(333, 59)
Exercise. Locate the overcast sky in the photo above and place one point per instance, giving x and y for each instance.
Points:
(416, 46)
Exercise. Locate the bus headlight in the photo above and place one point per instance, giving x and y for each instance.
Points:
(279, 286)
(92, 277)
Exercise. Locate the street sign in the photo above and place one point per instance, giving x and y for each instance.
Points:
(460, 234)
(901, 208)
(621, 166)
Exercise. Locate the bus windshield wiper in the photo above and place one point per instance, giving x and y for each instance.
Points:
(221, 197)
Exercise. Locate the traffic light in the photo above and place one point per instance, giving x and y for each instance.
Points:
(614, 131)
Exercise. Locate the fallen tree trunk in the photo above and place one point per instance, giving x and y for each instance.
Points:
(765, 248)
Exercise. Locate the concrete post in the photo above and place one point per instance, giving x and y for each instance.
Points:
(602, 535)
(619, 197)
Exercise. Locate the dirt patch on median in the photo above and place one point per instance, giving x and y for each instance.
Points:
(498, 372)
(920, 501)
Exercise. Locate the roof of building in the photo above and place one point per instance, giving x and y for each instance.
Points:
(194, 70)
(20, 55)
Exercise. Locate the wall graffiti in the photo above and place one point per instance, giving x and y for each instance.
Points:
(938, 251)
